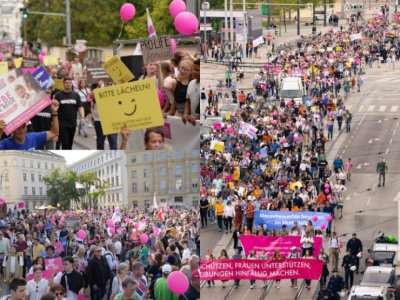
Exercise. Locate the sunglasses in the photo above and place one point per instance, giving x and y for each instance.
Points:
(58, 293)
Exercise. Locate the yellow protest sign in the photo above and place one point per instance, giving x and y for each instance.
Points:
(228, 116)
(3, 67)
(59, 84)
(135, 104)
(50, 60)
(18, 62)
(107, 58)
(117, 70)
(219, 146)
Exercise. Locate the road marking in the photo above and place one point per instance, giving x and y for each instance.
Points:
(387, 150)
(394, 132)
(359, 123)
(373, 187)
(369, 200)
(361, 108)
(343, 151)
(390, 142)
(397, 198)
(371, 108)
(382, 108)
(397, 125)
(394, 108)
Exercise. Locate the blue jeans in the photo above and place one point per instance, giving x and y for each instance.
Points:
(211, 213)
(101, 138)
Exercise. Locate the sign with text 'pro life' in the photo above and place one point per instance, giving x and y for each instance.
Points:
(135, 104)
(156, 49)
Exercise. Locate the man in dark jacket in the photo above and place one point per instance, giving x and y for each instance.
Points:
(355, 246)
(71, 280)
(98, 274)
(336, 282)
(348, 264)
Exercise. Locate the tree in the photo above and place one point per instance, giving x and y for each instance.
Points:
(93, 189)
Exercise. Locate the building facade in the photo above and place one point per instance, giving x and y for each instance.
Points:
(21, 176)
(111, 166)
(172, 175)
(11, 19)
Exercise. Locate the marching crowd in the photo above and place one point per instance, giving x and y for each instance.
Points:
(125, 254)
(280, 163)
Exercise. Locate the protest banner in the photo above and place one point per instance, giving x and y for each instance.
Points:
(46, 274)
(156, 49)
(275, 219)
(3, 67)
(258, 41)
(20, 100)
(217, 145)
(95, 73)
(176, 134)
(30, 63)
(270, 243)
(28, 70)
(229, 269)
(117, 70)
(135, 64)
(71, 223)
(50, 60)
(53, 264)
(59, 247)
(134, 104)
(44, 79)
(248, 129)
(357, 36)
(18, 62)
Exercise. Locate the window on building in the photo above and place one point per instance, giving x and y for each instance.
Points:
(163, 186)
(178, 184)
(195, 168)
(52, 166)
(134, 204)
(179, 199)
(41, 203)
(195, 183)
(33, 191)
(146, 172)
(195, 201)
(108, 170)
(116, 180)
(24, 176)
(147, 204)
(25, 190)
(116, 167)
(178, 170)
(163, 171)
(146, 186)
(134, 187)
(178, 154)
(112, 168)
(40, 177)
(6, 177)
(112, 198)
(33, 177)
(112, 181)
(133, 159)
(38, 165)
(162, 200)
(146, 157)
(34, 204)
(23, 163)
(40, 191)
(117, 197)
(133, 173)
(162, 155)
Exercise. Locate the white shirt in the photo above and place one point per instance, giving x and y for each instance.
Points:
(118, 247)
(70, 294)
(12, 262)
(185, 255)
(193, 93)
(36, 290)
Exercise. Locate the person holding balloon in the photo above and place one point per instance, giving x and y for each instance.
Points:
(161, 288)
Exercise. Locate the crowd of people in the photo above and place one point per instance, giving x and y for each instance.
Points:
(281, 162)
(177, 81)
(102, 254)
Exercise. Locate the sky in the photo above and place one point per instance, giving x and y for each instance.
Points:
(72, 156)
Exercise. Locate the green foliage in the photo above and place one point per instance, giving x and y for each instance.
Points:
(97, 22)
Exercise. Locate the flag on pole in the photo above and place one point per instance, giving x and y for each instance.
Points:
(150, 27)
(160, 216)
(155, 206)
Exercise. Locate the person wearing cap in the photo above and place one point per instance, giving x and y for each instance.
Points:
(193, 292)
(161, 290)
(355, 246)
(336, 282)
(348, 264)
(294, 254)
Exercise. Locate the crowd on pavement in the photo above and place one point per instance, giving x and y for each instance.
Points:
(100, 254)
(271, 153)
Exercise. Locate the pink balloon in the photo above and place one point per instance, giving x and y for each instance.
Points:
(2, 201)
(40, 57)
(127, 12)
(176, 7)
(40, 225)
(136, 225)
(62, 220)
(111, 230)
(81, 234)
(161, 98)
(323, 226)
(275, 113)
(248, 154)
(173, 44)
(186, 23)
(144, 238)
(274, 122)
(156, 231)
(43, 53)
(329, 197)
(110, 223)
(329, 218)
(315, 218)
(53, 219)
(327, 185)
(326, 191)
(127, 220)
(177, 282)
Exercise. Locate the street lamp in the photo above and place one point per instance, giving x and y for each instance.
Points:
(205, 6)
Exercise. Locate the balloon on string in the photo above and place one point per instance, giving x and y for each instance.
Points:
(326, 191)
(127, 220)
(327, 185)
(329, 197)
(186, 23)
(43, 52)
(2, 201)
(173, 44)
(81, 234)
(161, 98)
(177, 282)
(144, 238)
(274, 122)
(40, 57)
(176, 7)
(127, 12)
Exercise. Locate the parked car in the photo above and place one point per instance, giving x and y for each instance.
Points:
(358, 292)
(381, 255)
(379, 276)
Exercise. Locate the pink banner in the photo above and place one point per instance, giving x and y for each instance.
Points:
(54, 264)
(228, 269)
(270, 243)
(46, 274)
(217, 126)
(59, 247)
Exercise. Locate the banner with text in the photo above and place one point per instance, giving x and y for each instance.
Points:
(156, 49)
(20, 100)
(228, 269)
(275, 219)
(270, 243)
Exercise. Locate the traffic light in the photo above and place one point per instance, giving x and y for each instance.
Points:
(24, 12)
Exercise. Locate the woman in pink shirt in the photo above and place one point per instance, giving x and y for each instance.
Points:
(348, 167)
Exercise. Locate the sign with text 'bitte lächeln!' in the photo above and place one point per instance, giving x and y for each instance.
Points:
(134, 104)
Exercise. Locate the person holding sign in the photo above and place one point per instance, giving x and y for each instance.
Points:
(21, 140)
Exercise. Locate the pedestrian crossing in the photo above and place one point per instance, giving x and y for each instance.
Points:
(374, 108)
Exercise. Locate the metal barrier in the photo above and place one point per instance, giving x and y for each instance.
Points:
(301, 289)
(266, 290)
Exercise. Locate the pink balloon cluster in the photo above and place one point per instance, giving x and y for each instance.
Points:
(186, 23)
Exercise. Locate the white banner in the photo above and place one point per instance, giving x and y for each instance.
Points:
(357, 36)
(258, 41)
(177, 135)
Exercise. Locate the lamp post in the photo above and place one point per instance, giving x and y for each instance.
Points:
(205, 6)
(298, 17)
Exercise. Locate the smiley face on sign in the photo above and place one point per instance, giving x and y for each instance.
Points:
(134, 106)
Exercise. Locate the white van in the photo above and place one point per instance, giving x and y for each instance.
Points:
(370, 293)
(292, 88)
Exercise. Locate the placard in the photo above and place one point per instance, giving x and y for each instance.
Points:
(134, 104)
(156, 49)
(20, 100)
(44, 79)
(59, 84)
(95, 72)
(53, 264)
(18, 62)
(135, 64)
(117, 70)
(50, 60)
(3, 67)
(30, 63)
